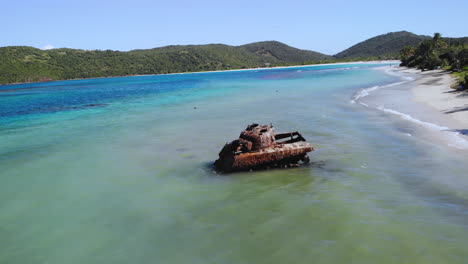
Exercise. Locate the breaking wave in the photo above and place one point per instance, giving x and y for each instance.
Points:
(366, 91)
(454, 137)
(363, 93)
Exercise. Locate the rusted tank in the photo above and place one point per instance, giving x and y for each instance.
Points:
(259, 147)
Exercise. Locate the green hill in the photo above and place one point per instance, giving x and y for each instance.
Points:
(204, 57)
(383, 46)
(28, 64)
(282, 52)
(463, 40)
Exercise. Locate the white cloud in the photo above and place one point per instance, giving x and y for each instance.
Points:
(48, 47)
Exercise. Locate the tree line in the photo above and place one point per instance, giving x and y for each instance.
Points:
(439, 53)
(20, 64)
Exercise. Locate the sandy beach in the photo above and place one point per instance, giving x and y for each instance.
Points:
(434, 90)
(426, 102)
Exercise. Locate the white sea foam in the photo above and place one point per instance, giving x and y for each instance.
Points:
(366, 91)
(364, 104)
(453, 137)
(363, 93)
(391, 71)
(355, 67)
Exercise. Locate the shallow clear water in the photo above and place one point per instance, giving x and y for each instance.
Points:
(118, 170)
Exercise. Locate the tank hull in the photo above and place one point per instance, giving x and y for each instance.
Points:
(258, 147)
(284, 155)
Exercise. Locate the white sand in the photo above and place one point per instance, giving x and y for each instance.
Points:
(434, 90)
(426, 100)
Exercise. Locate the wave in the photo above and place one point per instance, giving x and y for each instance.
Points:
(366, 91)
(401, 75)
(363, 93)
(454, 137)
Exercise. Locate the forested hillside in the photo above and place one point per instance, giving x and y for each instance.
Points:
(386, 46)
(282, 52)
(27, 64)
(450, 54)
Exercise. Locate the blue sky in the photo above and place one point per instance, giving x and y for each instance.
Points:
(327, 26)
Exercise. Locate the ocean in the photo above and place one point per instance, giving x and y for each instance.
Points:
(119, 170)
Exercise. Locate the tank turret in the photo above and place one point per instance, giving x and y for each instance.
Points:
(260, 136)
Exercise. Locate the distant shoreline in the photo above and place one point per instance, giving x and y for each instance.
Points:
(286, 67)
(232, 70)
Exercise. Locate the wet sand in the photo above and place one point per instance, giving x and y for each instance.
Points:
(434, 90)
(424, 103)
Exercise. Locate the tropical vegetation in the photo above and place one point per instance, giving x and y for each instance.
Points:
(20, 64)
(449, 54)
(386, 46)
(27, 64)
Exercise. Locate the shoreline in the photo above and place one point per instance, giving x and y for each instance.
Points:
(435, 111)
(232, 70)
(437, 93)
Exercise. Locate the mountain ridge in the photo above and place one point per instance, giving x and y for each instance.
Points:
(20, 64)
(387, 46)
(284, 52)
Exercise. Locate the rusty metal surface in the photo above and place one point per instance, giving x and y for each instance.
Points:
(258, 147)
(270, 156)
(261, 136)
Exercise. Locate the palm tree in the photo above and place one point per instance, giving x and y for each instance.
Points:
(437, 41)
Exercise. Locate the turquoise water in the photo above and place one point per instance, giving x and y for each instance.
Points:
(118, 170)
